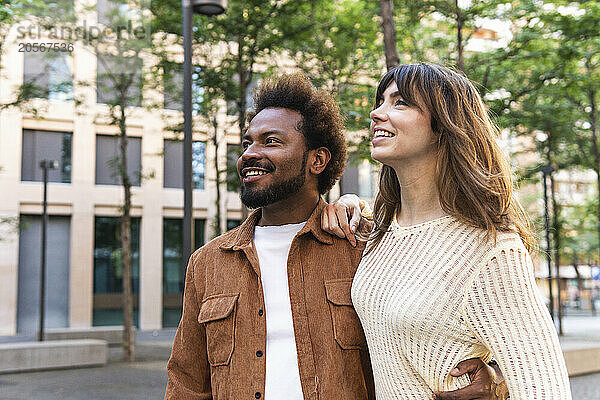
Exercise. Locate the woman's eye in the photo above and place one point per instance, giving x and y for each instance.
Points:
(400, 102)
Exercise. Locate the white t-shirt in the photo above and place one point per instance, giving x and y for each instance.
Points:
(282, 376)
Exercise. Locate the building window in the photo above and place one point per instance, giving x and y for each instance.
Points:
(232, 223)
(232, 108)
(173, 86)
(174, 266)
(108, 270)
(112, 72)
(112, 12)
(47, 75)
(46, 145)
(173, 164)
(58, 264)
(107, 158)
(56, 9)
(233, 179)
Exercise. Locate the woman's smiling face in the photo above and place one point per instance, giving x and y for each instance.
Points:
(400, 132)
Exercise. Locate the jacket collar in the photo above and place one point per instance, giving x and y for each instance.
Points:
(242, 237)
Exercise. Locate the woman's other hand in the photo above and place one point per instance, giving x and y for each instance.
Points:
(342, 217)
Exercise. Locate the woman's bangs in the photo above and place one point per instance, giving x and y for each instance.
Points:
(405, 77)
(383, 84)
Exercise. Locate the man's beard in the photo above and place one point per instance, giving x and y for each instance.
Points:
(256, 198)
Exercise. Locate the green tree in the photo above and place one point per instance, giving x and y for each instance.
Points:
(462, 20)
(579, 46)
(386, 8)
(550, 78)
(250, 33)
(342, 55)
(214, 92)
(439, 30)
(120, 81)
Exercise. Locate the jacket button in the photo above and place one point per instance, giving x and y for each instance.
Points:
(257, 395)
(260, 313)
(259, 353)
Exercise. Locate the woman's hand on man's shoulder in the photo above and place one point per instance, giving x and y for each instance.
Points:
(342, 217)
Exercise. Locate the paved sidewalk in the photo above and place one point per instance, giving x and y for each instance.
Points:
(580, 330)
(145, 379)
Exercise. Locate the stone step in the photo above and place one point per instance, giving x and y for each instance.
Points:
(582, 359)
(112, 334)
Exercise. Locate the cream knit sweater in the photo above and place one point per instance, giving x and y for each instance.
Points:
(434, 294)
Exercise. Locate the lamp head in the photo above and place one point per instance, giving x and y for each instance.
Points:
(209, 7)
(547, 169)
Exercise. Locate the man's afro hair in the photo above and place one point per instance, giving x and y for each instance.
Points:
(322, 124)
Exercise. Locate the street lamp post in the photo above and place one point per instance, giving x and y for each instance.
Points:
(204, 7)
(557, 261)
(45, 165)
(546, 171)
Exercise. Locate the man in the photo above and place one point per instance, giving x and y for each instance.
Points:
(267, 311)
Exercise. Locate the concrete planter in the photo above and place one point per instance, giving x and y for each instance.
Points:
(32, 356)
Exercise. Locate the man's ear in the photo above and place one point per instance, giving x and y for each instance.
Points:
(318, 160)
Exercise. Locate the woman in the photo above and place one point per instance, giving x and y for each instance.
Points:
(447, 275)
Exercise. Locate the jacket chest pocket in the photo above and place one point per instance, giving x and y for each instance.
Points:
(347, 330)
(218, 314)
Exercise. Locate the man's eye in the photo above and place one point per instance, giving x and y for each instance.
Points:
(270, 140)
(245, 145)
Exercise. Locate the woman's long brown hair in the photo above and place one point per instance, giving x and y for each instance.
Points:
(473, 176)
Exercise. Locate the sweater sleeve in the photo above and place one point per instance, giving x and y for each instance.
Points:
(505, 311)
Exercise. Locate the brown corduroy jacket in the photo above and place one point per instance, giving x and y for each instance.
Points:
(219, 349)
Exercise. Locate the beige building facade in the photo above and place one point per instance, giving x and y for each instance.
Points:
(83, 196)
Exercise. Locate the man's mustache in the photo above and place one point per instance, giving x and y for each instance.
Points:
(255, 164)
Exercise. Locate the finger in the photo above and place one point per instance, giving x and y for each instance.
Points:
(334, 223)
(499, 377)
(342, 216)
(324, 221)
(338, 232)
(452, 395)
(329, 220)
(471, 392)
(355, 220)
(465, 366)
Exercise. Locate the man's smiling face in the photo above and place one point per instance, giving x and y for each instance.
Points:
(273, 165)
